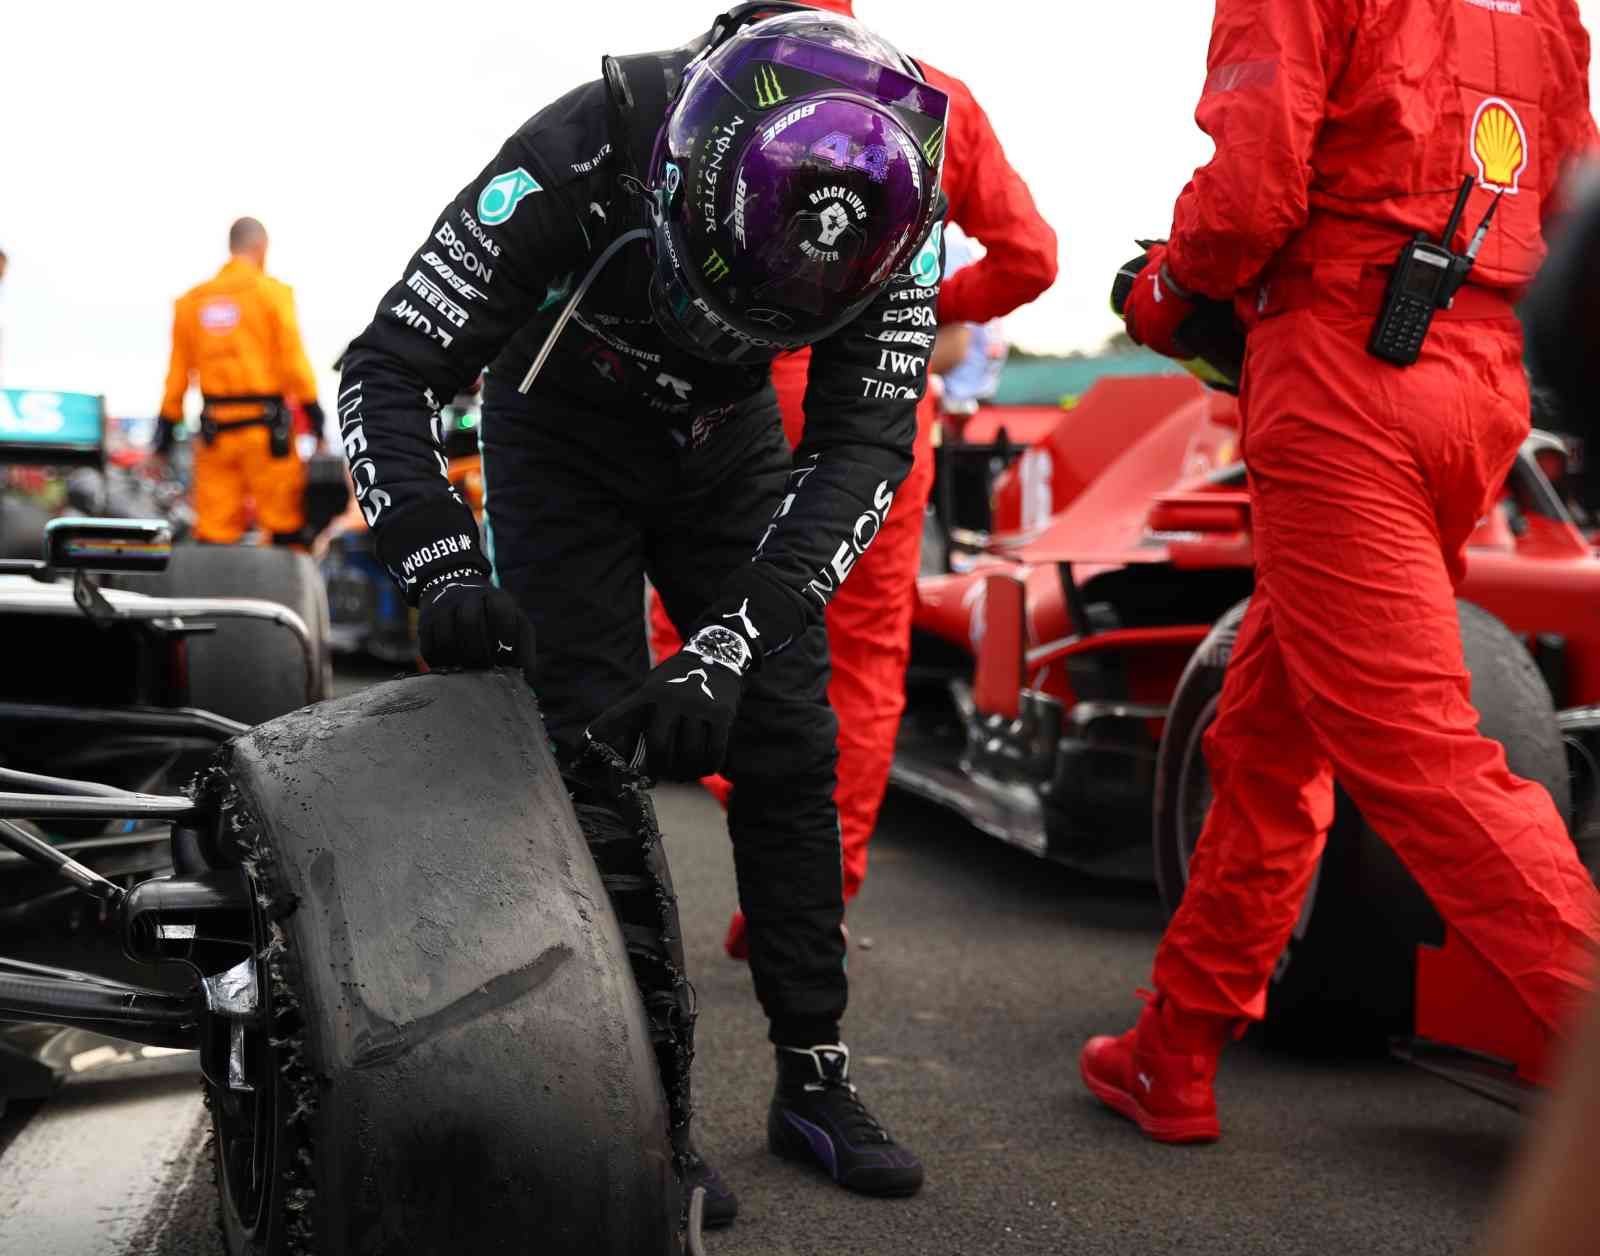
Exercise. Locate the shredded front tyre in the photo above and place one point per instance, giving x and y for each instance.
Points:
(449, 1052)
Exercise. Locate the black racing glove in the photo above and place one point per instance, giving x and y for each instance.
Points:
(468, 622)
(685, 709)
(432, 542)
(316, 420)
(464, 620)
(166, 437)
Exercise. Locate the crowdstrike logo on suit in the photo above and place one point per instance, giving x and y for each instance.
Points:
(499, 200)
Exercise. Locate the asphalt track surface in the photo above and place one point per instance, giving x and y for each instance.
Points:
(977, 974)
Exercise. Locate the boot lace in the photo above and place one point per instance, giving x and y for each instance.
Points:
(857, 1124)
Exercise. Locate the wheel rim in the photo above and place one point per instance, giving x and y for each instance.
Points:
(1195, 796)
(246, 1122)
(1195, 791)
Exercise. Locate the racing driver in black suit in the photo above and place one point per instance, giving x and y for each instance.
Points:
(628, 265)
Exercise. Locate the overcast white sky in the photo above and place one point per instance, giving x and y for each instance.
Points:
(131, 135)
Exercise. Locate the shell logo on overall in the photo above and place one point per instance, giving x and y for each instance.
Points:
(1499, 145)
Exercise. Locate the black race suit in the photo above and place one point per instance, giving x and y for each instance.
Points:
(631, 458)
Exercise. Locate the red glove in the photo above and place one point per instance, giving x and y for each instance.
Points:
(1157, 306)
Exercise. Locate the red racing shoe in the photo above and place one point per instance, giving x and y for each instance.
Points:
(1160, 1073)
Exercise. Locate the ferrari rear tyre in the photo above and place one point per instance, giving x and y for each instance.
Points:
(450, 1053)
(1346, 976)
(249, 671)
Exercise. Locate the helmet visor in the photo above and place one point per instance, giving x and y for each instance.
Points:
(795, 174)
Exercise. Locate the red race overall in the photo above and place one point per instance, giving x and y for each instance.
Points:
(869, 619)
(1341, 128)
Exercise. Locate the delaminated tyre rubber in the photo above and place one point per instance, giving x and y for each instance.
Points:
(461, 1057)
(248, 671)
(1346, 977)
(618, 821)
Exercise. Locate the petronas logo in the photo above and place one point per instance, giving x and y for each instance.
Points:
(769, 91)
(502, 194)
(714, 268)
(933, 146)
(926, 266)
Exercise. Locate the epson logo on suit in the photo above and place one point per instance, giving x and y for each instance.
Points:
(456, 247)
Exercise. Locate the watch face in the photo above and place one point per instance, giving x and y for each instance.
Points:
(722, 645)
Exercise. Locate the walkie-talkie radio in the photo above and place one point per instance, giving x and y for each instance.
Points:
(1425, 278)
(1418, 286)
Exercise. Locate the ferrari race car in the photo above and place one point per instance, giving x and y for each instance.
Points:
(1065, 669)
(376, 919)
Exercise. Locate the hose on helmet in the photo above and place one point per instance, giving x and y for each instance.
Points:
(638, 233)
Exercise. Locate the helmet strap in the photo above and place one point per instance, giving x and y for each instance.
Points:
(638, 91)
(737, 18)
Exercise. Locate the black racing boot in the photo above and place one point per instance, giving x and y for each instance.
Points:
(722, 1205)
(816, 1118)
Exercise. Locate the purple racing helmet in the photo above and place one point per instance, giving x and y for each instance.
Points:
(797, 170)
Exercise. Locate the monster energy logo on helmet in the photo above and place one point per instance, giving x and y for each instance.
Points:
(932, 146)
(714, 268)
(769, 91)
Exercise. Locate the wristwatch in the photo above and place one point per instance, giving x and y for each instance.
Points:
(722, 645)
